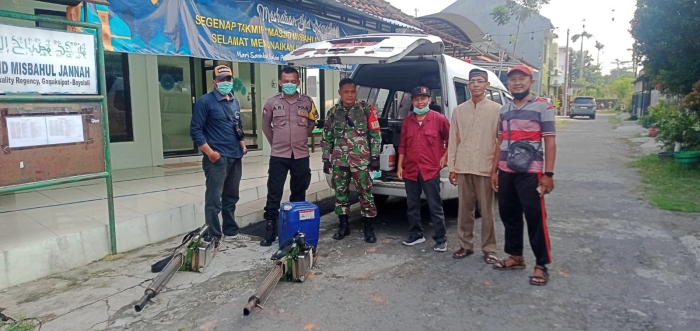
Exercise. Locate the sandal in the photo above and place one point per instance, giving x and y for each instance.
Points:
(490, 258)
(517, 263)
(462, 253)
(540, 280)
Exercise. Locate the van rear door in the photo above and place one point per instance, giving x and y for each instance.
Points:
(365, 49)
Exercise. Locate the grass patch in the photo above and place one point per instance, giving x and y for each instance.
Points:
(608, 111)
(114, 257)
(668, 186)
(560, 123)
(19, 325)
(615, 120)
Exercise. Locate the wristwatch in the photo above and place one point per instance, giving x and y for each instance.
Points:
(549, 174)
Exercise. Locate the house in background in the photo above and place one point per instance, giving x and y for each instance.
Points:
(535, 39)
(490, 55)
(646, 95)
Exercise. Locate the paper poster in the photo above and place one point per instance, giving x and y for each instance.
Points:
(64, 129)
(26, 131)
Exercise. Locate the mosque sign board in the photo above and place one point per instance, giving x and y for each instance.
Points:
(43, 61)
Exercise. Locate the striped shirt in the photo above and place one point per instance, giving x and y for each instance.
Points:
(530, 123)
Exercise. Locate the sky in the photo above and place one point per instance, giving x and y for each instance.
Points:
(569, 14)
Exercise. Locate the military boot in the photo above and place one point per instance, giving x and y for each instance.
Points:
(343, 229)
(369, 231)
(270, 233)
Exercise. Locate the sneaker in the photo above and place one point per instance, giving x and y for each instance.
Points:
(238, 237)
(440, 247)
(414, 240)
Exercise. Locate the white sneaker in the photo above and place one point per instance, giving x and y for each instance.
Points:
(414, 240)
(238, 237)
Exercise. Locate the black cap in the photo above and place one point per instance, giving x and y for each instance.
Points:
(420, 90)
(478, 72)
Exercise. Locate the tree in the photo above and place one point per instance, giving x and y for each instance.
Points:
(520, 10)
(591, 72)
(623, 89)
(620, 73)
(666, 37)
(599, 46)
(583, 35)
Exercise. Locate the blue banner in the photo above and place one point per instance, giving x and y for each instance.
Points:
(241, 31)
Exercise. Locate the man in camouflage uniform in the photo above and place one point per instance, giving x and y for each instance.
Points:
(351, 144)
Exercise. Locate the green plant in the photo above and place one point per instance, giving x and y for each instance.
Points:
(647, 121)
(676, 125)
(19, 325)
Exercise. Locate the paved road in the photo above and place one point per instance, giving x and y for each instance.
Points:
(619, 264)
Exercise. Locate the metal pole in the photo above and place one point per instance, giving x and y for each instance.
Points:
(501, 53)
(73, 99)
(52, 182)
(565, 102)
(105, 142)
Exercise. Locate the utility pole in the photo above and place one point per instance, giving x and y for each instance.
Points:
(565, 102)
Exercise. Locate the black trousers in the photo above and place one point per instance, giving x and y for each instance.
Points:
(431, 188)
(223, 180)
(277, 176)
(517, 195)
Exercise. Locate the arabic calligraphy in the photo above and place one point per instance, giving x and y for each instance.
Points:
(28, 46)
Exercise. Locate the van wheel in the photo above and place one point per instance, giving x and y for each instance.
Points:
(380, 199)
(571, 116)
(592, 117)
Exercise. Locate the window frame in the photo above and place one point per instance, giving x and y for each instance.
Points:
(468, 94)
(127, 101)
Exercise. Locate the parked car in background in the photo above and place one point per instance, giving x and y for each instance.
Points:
(583, 106)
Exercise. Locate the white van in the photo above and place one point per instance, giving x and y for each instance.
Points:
(389, 66)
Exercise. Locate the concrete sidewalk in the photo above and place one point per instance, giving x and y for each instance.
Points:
(55, 229)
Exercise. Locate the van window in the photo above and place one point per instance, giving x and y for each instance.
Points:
(373, 96)
(436, 103)
(400, 106)
(462, 93)
(488, 95)
(382, 96)
(497, 97)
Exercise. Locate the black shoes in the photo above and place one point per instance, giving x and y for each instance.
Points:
(270, 233)
(369, 231)
(343, 229)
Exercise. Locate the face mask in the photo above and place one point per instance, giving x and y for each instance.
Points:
(289, 88)
(420, 111)
(224, 87)
(520, 96)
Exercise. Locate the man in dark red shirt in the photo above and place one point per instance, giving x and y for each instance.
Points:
(422, 154)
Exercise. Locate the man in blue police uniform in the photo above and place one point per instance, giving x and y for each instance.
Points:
(217, 129)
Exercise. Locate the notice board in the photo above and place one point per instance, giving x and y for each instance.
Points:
(42, 141)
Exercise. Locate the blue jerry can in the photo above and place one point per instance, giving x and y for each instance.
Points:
(299, 217)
